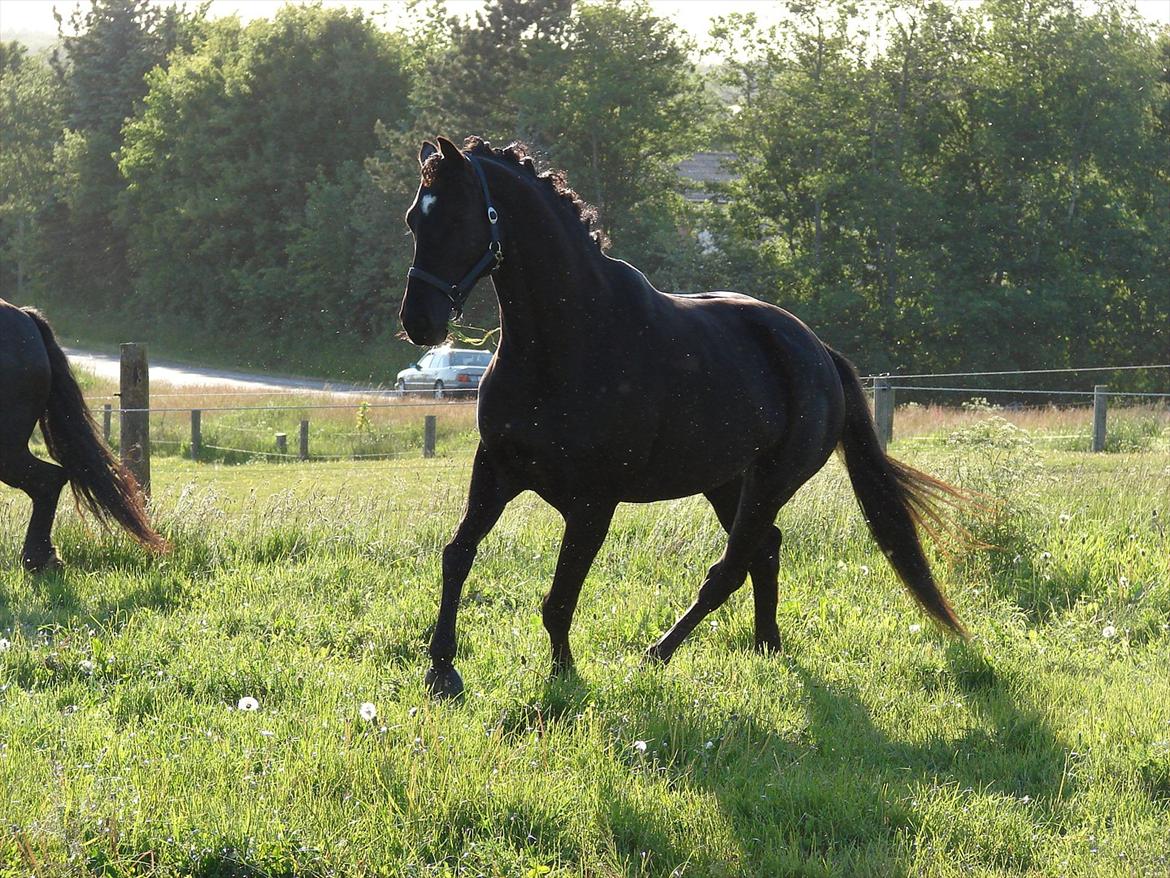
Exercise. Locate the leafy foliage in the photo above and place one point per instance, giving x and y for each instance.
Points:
(928, 185)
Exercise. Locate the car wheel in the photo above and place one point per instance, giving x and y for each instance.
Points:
(401, 387)
(438, 390)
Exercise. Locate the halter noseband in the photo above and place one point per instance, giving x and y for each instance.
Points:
(492, 258)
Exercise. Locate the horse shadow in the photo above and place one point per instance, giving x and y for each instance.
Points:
(58, 599)
(834, 793)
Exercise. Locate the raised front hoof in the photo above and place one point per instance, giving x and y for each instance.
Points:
(444, 685)
(50, 564)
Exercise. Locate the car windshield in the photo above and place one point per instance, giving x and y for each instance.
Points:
(470, 358)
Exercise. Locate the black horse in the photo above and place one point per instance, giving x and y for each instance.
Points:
(37, 385)
(605, 390)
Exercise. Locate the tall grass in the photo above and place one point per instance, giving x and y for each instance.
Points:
(873, 746)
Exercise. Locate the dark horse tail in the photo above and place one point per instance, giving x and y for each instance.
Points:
(99, 480)
(895, 499)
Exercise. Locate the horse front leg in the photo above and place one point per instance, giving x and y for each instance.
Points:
(586, 525)
(486, 499)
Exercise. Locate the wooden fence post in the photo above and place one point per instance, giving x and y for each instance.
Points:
(282, 443)
(304, 443)
(107, 417)
(1100, 407)
(429, 436)
(883, 411)
(196, 433)
(134, 441)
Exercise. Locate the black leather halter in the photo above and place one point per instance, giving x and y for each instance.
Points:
(492, 258)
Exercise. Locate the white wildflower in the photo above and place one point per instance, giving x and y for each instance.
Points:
(368, 711)
(1065, 518)
(640, 746)
(4, 643)
(248, 703)
(865, 570)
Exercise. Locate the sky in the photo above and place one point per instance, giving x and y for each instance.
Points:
(36, 16)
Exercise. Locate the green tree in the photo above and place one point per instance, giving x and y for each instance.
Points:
(31, 118)
(624, 107)
(106, 49)
(241, 167)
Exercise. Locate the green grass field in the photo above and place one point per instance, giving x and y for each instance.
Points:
(873, 746)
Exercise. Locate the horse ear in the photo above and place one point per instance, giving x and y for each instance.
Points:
(427, 150)
(450, 150)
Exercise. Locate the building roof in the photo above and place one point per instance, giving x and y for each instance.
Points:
(706, 169)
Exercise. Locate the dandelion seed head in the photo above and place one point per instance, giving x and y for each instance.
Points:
(640, 746)
(1108, 632)
(368, 711)
(86, 666)
(915, 628)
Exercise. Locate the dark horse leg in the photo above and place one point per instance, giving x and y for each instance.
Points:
(24, 395)
(764, 567)
(767, 486)
(486, 500)
(585, 529)
(42, 481)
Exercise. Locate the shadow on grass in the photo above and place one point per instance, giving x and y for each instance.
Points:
(839, 795)
(54, 599)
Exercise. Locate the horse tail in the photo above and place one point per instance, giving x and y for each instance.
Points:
(895, 499)
(99, 480)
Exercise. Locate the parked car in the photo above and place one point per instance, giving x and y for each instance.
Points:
(444, 370)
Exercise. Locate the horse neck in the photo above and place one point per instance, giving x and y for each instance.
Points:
(553, 287)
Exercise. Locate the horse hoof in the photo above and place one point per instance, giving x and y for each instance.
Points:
(654, 658)
(51, 564)
(444, 685)
(769, 647)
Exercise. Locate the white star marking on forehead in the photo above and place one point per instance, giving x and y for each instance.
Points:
(427, 202)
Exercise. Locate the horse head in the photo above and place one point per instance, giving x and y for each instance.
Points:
(456, 240)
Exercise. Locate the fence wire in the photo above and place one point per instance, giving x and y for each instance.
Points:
(400, 438)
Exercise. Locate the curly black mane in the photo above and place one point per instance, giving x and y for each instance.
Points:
(517, 153)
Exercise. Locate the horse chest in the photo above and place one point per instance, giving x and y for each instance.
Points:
(554, 451)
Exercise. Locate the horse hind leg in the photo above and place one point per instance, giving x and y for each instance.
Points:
(42, 482)
(767, 486)
(764, 568)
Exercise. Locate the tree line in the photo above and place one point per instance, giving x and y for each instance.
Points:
(929, 186)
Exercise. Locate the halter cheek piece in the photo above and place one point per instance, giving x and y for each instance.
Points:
(492, 258)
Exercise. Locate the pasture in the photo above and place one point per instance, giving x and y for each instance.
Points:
(872, 746)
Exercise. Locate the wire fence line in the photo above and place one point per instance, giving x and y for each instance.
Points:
(1005, 390)
(895, 376)
(272, 430)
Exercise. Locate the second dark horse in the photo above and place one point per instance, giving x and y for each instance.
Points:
(605, 390)
(37, 385)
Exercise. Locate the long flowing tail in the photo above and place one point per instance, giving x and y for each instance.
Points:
(895, 499)
(99, 480)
